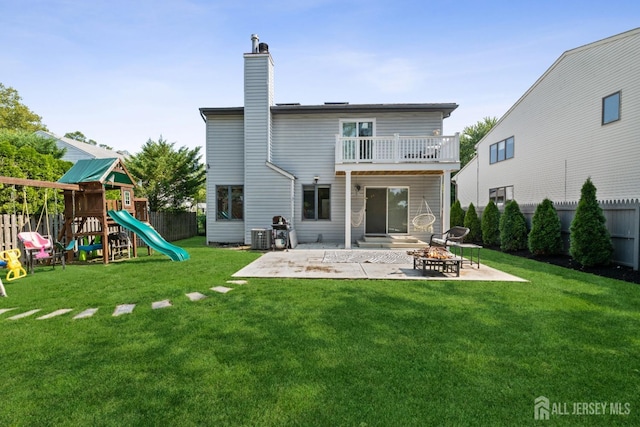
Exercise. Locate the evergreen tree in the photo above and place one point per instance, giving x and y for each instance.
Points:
(590, 242)
(490, 225)
(513, 228)
(456, 217)
(170, 178)
(472, 222)
(545, 237)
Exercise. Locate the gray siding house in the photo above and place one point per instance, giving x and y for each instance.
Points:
(77, 150)
(338, 172)
(580, 119)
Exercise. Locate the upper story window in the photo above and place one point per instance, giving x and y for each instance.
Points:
(502, 150)
(360, 147)
(611, 108)
(316, 202)
(229, 202)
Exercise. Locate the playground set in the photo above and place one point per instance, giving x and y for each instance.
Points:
(120, 222)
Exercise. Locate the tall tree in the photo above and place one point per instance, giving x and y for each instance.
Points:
(14, 115)
(471, 135)
(168, 177)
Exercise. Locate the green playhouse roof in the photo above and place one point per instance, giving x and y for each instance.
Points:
(106, 171)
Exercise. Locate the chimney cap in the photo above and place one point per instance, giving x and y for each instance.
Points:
(263, 48)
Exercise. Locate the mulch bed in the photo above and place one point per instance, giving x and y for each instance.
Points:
(612, 271)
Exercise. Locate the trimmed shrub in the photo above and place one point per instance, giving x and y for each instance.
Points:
(490, 225)
(590, 240)
(472, 222)
(456, 217)
(513, 228)
(545, 237)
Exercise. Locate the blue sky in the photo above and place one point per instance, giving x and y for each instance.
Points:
(124, 71)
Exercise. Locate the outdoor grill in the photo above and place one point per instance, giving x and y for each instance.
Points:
(281, 229)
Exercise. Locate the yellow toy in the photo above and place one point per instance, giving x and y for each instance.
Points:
(12, 259)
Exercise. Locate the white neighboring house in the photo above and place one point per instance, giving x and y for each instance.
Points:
(580, 119)
(336, 171)
(77, 150)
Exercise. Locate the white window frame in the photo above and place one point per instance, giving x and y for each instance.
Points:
(126, 196)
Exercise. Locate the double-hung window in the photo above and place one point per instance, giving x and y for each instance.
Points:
(316, 202)
(229, 202)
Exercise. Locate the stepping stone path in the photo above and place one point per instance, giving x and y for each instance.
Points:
(87, 313)
(195, 296)
(161, 304)
(55, 313)
(123, 309)
(25, 314)
(120, 309)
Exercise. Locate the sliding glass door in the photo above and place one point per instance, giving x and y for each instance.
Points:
(387, 210)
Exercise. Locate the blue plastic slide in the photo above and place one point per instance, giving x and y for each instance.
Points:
(149, 235)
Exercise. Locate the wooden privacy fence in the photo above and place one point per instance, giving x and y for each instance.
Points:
(174, 226)
(171, 226)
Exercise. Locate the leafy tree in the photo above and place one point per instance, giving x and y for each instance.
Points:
(14, 115)
(471, 135)
(590, 242)
(41, 144)
(472, 222)
(513, 228)
(25, 162)
(490, 225)
(169, 177)
(545, 237)
(456, 217)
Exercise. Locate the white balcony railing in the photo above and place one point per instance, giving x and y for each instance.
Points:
(398, 149)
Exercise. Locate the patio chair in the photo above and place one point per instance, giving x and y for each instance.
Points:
(453, 236)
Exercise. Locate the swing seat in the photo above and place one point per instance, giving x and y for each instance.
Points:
(62, 248)
(34, 240)
(424, 222)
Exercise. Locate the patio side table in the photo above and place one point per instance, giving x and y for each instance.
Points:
(471, 247)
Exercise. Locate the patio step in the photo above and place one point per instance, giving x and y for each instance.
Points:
(391, 242)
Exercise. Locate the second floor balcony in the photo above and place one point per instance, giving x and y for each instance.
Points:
(398, 152)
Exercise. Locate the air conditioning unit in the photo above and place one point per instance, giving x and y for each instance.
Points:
(260, 239)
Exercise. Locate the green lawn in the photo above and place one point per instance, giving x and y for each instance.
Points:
(278, 352)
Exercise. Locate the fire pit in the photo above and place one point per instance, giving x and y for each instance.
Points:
(436, 258)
